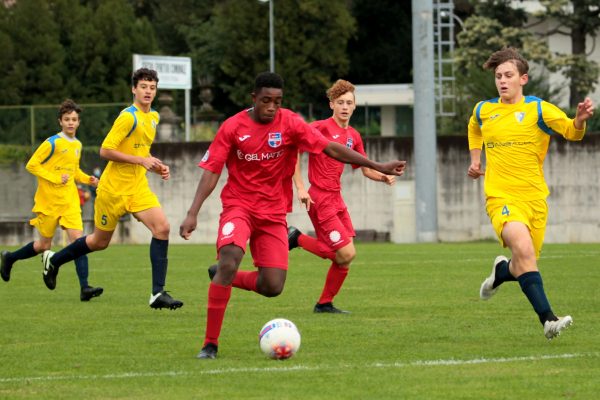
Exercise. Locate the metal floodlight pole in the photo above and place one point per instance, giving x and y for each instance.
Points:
(271, 36)
(424, 121)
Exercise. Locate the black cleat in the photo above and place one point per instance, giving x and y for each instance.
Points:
(88, 292)
(328, 308)
(212, 271)
(209, 351)
(293, 234)
(164, 300)
(5, 266)
(50, 271)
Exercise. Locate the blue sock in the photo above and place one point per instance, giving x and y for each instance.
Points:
(532, 286)
(75, 250)
(23, 253)
(158, 258)
(503, 274)
(81, 266)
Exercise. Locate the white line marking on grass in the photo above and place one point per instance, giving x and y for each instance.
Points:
(223, 371)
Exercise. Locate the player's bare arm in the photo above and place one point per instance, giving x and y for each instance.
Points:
(349, 156)
(378, 177)
(475, 170)
(207, 184)
(150, 163)
(303, 196)
(585, 110)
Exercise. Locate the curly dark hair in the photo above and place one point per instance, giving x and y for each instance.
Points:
(67, 107)
(504, 55)
(268, 80)
(143, 74)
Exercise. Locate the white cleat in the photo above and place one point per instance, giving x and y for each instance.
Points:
(487, 289)
(553, 328)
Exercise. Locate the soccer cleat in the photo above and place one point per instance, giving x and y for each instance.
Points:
(293, 234)
(50, 271)
(487, 289)
(209, 351)
(553, 328)
(212, 271)
(328, 308)
(5, 266)
(164, 300)
(89, 292)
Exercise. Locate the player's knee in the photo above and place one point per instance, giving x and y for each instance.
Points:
(271, 289)
(162, 230)
(43, 246)
(345, 257)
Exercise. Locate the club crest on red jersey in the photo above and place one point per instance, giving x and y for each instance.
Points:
(349, 143)
(274, 139)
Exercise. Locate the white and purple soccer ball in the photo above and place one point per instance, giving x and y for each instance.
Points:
(279, 339)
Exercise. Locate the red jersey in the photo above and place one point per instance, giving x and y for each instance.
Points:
(260, 159)
(325, 172)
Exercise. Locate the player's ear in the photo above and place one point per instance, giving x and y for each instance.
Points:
(524, 79)
(331, 105)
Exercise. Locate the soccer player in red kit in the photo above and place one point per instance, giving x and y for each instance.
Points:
(259, 147)
(328, 213)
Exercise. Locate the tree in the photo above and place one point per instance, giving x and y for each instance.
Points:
(380, 52)
(581, 18)
(311, 36)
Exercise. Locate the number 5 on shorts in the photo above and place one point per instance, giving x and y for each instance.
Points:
(104, 221)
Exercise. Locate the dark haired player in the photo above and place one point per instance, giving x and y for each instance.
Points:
(55, 163)
(259, 147)
(123, 188)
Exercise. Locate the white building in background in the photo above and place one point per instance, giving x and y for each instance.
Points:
(561, 44)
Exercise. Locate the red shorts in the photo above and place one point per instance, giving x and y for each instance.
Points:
(267, 235)
(330, 218)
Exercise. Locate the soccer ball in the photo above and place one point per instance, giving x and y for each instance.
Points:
(279, 339)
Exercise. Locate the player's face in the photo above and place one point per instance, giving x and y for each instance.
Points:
(144, 92)
(509, 83)
(69, 122)
(266, 103)
(343, 107)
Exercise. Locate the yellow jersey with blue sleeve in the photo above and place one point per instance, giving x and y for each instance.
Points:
(516, 139)
(132, 133)
(56, 156)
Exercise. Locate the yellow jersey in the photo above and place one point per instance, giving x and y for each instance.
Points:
(516, 139)
(57, 155)
(132, 133)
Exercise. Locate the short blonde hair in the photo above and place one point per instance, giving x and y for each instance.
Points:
(339, 88)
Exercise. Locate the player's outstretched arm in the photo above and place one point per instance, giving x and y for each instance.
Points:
(585, 110)
(349, 156)
(207, 184)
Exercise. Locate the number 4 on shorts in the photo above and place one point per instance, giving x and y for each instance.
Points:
(505, 211)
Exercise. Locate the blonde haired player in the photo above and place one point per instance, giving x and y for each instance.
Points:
(55, 163)
(515, 131)
(324, 202)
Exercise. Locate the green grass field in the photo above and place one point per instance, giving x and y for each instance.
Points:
(417, 330)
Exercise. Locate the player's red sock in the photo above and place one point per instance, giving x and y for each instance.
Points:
(245, 280)
(335, 279)
(218, 297)
(311, 245)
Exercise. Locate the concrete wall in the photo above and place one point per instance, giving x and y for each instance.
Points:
(572, 171)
